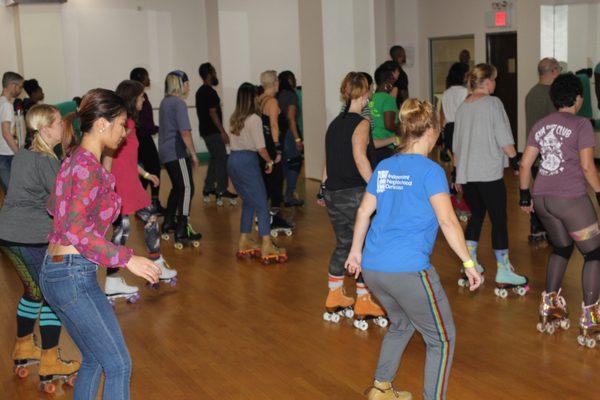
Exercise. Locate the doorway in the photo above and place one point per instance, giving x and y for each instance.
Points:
(502, 54)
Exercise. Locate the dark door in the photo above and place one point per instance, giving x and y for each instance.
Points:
(502, 54)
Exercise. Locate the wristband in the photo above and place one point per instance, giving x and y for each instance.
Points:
(514, 163)
(278, 147)
(270, 164)
(298, 140)
(396, 141)
(321, 193)
(525, 197)
(469, 264)
(146, 175)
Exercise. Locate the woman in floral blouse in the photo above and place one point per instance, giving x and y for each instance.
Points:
(84, 205)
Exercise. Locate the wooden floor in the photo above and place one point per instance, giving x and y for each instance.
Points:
(238, 330)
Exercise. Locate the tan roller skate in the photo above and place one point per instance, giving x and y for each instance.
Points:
(385, 391)
(338, 305)
(247, 247)
(553, 313)
(54, 368)
(25, 353)
(366, 308)
(269, 253)
(589, 325)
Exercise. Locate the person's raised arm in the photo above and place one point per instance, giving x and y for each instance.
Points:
(368, 205)
(360, 141)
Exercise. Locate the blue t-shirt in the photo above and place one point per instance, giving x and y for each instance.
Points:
(402, 234)
(172, 119)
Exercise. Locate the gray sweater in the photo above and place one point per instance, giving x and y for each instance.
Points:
(23, 218)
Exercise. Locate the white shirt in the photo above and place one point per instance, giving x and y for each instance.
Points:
(451, 100)
(7, 114)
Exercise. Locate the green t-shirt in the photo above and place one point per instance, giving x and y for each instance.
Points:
(66, 108)
(299, 121)
(586, 107)
(381, 103)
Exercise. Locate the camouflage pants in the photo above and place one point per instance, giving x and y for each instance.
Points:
(342, 206)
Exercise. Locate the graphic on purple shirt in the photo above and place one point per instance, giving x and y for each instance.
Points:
(560, 137)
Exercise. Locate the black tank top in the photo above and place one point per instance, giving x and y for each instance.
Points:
(342, 172)
(266, 124)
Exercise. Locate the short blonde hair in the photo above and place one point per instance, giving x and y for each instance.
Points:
(174, 83)
(268, 79)
(416, 117)
(480, 73)
(354, 85)
(38, 117)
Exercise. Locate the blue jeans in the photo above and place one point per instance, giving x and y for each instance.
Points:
(69, 285)
(292, 163)
(5, 164)
(244, 171)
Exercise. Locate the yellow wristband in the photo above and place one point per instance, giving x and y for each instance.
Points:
(298, 140)
(469, 264)
(397, 141)
(146, 175)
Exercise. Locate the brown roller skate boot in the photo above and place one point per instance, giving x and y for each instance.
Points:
(385, 391)
(25, 353)
(247, 247)
(338, 305)
(269, 253)
(54, 368)
(553, 313)
(366, 308)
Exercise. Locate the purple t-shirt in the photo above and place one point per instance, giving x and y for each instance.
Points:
(560, 137)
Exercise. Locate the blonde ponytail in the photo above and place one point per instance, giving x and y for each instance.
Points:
(416, 117)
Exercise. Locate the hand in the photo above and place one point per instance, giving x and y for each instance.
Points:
(527, 209)
(277, 158)
(474, 277)
(195, 161)
(300, 145)
(352, 264)
(154, 179)
(268, 168)
(144, 268)
(457, 187)
(225, 137)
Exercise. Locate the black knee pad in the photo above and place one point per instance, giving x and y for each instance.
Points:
(593, 255)
(564, 252)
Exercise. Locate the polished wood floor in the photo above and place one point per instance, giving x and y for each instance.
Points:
(238, 330)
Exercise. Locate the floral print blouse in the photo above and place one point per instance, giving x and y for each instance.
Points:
(84, 205)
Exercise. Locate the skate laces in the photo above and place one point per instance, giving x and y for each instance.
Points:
(560, 300)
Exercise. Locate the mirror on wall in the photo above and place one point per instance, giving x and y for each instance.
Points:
(445, 52)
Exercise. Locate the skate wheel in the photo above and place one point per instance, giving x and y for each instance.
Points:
(196, 244)
(581, 340)
(502, 293)
(335, 318)
(381, 322)
(274, 234)
(206, 199)
(111, 302)
(565, 324)
(288, 232)
(165, 236)
(71, 380)
(327, 317)
(233, 202)
(220, 203)
(22, 372)
(462, 282)
(348, 313)
(540, 327)
(173, 282)
(134, 298)
(239, 255)
(521, 291)
(590, 343)
(361, 324)
(264, 261)
(463, 218)
(179, 246)
(550, 329)
(48, 387)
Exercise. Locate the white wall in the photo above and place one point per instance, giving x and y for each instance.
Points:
(8, 48)
(256, 36)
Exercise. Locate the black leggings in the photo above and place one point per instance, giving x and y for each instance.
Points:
(482, 197)
(274, 183)
(569, 221)
(148, 157)
(182, 192)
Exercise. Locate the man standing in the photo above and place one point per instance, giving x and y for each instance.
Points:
(400, 91)
(12, 85)
(538, 105)
(208, 108)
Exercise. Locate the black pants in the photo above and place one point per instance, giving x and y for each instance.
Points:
(490, 197)
(274, 184)
(180, 198)
(217, 165)
(148, 157)
(448, 136)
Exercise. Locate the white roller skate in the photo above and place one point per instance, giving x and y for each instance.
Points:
(115, 287)
(167, 274)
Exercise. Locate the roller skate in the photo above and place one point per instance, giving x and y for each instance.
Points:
(25, 354)
(269, 253)
(338, 305)
(168, 227)
(53, 368)
(247, 247)
(145, 213)
(206, 195)
(553, 313)
(185, 236)
(461, 208)
(463, 281)
(115, 288)
(506, 279)
(280, 225)
(589, 325)
(538, 236)
(168, 275)
(230, 197)
(366, 308)
(385, 391)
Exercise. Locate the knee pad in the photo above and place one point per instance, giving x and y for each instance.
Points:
(121, 231)
(152, 236)
(593, 255)
(564, 252)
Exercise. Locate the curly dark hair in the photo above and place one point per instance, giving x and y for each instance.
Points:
(565, 89)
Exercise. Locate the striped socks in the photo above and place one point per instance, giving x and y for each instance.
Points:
(27, 313)
(361, 289)
(335, 282)
(49, 328)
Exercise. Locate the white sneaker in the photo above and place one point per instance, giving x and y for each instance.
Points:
(166, 272)
(116, 285)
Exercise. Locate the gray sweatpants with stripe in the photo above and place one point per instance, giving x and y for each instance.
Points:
(415, 301)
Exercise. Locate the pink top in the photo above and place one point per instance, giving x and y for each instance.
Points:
(125, 169)
(84, 205)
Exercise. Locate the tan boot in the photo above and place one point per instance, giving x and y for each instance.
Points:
(26, 349)
(53, 367)
(385, 391)
(247, 247)
(270, 253)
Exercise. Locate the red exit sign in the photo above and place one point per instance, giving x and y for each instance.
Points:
(500, 18)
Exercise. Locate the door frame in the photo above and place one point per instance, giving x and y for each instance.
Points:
(431, 39)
